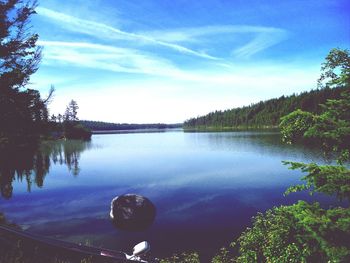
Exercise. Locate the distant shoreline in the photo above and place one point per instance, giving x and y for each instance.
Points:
(147, 130)
(161, 130)
(231, 129)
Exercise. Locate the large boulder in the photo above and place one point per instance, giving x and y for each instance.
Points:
(132, 212)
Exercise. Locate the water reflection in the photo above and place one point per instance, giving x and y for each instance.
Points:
(32, 164)
(205, 187)
(265, 143)
(66, 152)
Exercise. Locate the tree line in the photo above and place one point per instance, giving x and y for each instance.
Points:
(301, 232)
(108, 126)
(306, 232)
(265, 113)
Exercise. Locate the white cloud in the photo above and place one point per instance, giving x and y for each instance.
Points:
(109, 58)
(126, 60)
(100, 30)
(165, 90)
(188, 34)
(262, 37)
(260, 42)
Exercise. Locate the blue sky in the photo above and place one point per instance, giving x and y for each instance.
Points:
(166, 61)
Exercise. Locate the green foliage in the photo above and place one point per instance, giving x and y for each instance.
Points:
(68, 125)
(74, 130)
(332, 127)
(336, 69)
(19, 54)
(265, 113)
(191, 257)
(327, 179)
(335, 79)
(224, 256)
(23, 113)
(106, 126)
(298, 233)
(305, 232)
(331, 130)
(71, 113)
(294, 125)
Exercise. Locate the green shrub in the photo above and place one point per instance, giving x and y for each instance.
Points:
(77, 131)
(294, 125)
(298, 233)
(191, 257)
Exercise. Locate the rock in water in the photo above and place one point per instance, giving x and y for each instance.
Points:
(132, 212)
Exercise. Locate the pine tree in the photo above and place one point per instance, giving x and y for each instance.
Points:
(23, 112)
(19, 54)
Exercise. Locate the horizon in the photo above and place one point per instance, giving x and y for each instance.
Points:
(166, 62)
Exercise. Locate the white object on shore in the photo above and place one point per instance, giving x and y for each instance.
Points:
(138, 250)
(141, 248)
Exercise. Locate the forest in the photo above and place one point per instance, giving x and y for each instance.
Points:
(108, 126)
(264, 114)
(305, 231)
(300, 232)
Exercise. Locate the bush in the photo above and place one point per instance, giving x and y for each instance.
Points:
(294, 125)
(76, 131)
(298, 233)
(191, 257)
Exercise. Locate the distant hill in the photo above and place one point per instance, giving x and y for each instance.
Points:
(107, 126)
(264, 113)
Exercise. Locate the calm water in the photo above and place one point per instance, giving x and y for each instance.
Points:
(205, 186)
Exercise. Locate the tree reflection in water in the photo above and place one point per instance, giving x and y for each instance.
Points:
(32, 164)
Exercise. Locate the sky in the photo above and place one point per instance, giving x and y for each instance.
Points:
(152, 61)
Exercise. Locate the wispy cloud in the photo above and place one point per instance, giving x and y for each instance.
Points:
(261, 37)
(104, 31)
(261, 41)
(153, 64)
(106, 57)
(189, 34)
(127, 60)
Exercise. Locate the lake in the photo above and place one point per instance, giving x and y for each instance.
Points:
(205, 186)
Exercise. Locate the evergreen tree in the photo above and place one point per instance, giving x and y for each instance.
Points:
(266, 113)
(60, 118)
(19, 54)
(71, 112)
(23, 113)
(73, 109)
(305, 232)
(72, 128)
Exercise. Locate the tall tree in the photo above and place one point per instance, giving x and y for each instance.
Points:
(23, 112)
(71, 112)
(305, 232)
(20, 55)
(336, 69)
